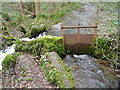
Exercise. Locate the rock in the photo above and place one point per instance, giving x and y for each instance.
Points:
(36, 30)
(63, 77)
(17, 34)
(56, 26)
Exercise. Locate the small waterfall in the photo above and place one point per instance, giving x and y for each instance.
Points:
(11, 50)
(3, 54)
(28, 39)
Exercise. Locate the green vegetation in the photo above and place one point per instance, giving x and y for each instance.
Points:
(9, 62)
(36, 30)
(60, 74)
(9, 42)
(24, 74)
(42, 45)
(29, 24)
(20, 79)
(1, 46)
(108, 6)
(29, 79)
(107, 48)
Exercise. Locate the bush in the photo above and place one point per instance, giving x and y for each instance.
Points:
(107, 48)
(9, 62)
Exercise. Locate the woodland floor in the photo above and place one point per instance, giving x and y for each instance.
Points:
(27, 73)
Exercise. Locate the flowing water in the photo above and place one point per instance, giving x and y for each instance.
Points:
(11, 50)
(88, 74)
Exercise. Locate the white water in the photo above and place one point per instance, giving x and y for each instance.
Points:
(28, 39)
(11, 50)
(80, 56)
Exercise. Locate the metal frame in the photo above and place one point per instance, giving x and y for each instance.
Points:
(78, 40)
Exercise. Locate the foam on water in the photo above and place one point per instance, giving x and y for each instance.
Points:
(28, 39)
(11, 50)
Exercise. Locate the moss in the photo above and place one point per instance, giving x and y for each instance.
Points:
(9, 62)
(36, 30)
(1, 46)
(22, 29)
(56, 71)
(6, 37)
(9, 42)
(42, 45)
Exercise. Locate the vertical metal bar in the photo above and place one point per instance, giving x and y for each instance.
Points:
(62, 34)
(62, 30)
(95, 30)
(78, 35)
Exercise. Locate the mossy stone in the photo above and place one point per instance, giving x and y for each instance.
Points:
(42, 45)
(9, 62)
(9, 42)
(36, 30)
(56, 70)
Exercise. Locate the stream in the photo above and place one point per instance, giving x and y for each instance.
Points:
(86, 72)
(89, 74)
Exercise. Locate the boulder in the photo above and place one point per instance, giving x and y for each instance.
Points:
(62, 74)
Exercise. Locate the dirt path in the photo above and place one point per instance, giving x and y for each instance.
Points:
(27, 74)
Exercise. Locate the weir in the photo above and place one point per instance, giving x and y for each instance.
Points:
(78, 42)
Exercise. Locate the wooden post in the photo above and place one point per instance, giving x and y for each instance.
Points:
(78, 34)
(62, 33)
(95, 30)
(62, 30)
(37, 7)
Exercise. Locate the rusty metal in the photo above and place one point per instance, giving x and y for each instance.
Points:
(72, 39)
(73, 27)
(78, 42)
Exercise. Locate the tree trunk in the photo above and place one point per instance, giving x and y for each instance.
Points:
(52, 10)
(37, 8)
(20, 7)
